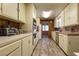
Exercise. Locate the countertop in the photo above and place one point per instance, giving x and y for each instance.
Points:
(76, 53)
(5, 40)
(70, 33)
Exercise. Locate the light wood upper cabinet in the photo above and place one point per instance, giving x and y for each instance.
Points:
(73, 13)
(56, 22)
(22, 12)
(67, 16)
(0, 8)
(10, 10)
(62, 17)
(59, 21)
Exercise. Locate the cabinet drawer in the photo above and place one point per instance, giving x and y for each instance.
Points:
(16, 52)
(6, 50)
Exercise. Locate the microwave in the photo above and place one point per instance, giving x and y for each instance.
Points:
(8, 31)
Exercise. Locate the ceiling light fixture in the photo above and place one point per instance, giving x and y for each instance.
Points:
(46, 14)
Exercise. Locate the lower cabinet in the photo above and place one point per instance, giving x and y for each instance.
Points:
(16, 52)
(11, 49)
(69, 44)
(23, 47)
(27, 46)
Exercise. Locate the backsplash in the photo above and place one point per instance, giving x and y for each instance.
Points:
(72, 28)
(5, 23)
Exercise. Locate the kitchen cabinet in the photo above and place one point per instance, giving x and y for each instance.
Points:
(63, 42)
(54, 35)
(16, 52)
(10, 10)
(69, 44)
(27, 46)
(22, 12)
(59, 21)
(67, 15)
(62, 19)
(0, 8)
(30, 15)
(73, 14)
(56, 22)
(11, 49)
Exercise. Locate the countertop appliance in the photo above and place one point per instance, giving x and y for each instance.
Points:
(8, 31)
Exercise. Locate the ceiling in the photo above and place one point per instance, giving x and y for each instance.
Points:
(55, 7)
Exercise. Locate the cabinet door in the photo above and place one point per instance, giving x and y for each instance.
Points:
(16, 52)
(67, 15)
(10, 10)
(73, 14)
(62, 16)
(61, 40)
(22, 12)
(0, 8)
(65, 43)
(27, 46)
(73, 44)
(6, 50)
(56, 22)
(30, 45)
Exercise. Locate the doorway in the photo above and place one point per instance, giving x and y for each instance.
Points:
(47, 26)
(45, 29)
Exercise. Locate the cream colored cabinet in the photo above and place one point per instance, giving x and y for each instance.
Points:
(22, 12)
(9, 49)
(69, 44)
(27, 46)
(73, 13)
(10, 10)
(54, 35)
(30, 9)
(59, 21)
(30, 45)
(67, 16)
(0, 8)
(61, 41)
(56, 22)
(62, 18)
(64, 44)
(16, 52)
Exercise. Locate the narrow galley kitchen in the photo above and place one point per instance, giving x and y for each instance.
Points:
(39, 29)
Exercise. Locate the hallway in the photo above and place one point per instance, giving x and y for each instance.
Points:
(47, 47)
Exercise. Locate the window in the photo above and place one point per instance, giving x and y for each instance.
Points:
(45, 28)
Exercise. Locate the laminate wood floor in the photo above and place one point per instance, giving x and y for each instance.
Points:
(47, 47)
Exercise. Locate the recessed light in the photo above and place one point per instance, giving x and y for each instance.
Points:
(46, 14)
